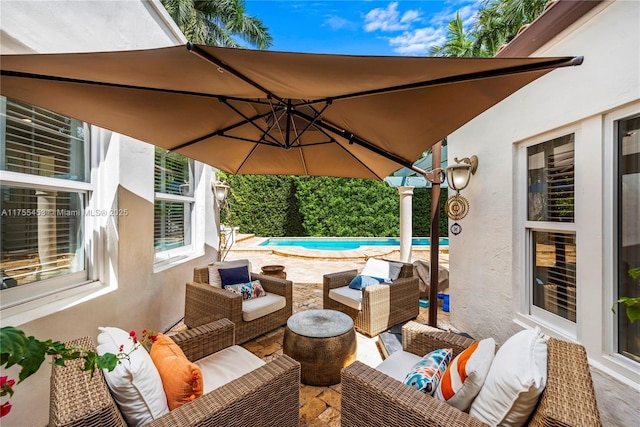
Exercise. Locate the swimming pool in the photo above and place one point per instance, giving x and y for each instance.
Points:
(344, 243)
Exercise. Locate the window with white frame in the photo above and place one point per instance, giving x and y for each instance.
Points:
(627, 227)
(174, 202)
(44, 189)
(550, 227)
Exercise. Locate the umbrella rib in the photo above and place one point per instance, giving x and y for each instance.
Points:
(246, 159)
(219, 132)
(198, 51)
(276, 119)
(34, 76)
(361, 162)
(556, 63)
(258, 142)
(354, 139)
(248, 120)
(310, 123)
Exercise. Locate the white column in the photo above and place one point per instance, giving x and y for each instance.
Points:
(406, 223)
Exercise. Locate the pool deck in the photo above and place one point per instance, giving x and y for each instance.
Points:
(342, 260)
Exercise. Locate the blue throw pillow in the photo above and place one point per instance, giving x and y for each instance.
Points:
(425, 375)
(233, 276)
(360, 282)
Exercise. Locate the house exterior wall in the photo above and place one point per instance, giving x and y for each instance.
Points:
(487, 262)
(132, 292)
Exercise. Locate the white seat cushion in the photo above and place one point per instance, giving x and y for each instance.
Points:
(226, 365)
(258, 307)
(398, 365)
(347, 296)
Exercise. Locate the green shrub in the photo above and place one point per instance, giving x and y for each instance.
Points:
(290, 206)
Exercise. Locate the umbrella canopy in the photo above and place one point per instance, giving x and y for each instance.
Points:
(264, 112)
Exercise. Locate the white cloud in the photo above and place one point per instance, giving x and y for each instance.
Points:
(337, 23)
(390, 19)
(417, 42)
(419, 32)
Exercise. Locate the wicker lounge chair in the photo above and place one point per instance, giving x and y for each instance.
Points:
(383, 305)
(267, 396)
(373, 399)
(205, 303)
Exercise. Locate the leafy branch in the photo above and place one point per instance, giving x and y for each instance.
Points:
(632, 303)
(16, 348)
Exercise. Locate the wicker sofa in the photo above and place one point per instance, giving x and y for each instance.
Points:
(383, 305)
(267, 396)
(373, 399)
(205, 303)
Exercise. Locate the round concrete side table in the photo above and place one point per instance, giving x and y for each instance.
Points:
(323, 341)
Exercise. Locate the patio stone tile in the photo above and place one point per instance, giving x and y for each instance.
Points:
(331, 417)
(311, 410)
(268, 350)
(253, 346)
(331, 398)
(267, 340)
(308, 392)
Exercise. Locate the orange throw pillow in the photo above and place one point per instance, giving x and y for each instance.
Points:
(181, 379)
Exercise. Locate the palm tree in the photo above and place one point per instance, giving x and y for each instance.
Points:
(517, 13)
(490, 30)
(497, 22)
(458, 42)
(217, 22)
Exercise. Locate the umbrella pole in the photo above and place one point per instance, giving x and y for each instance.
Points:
(434, 241)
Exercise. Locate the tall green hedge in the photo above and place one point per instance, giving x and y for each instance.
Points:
(290, 206)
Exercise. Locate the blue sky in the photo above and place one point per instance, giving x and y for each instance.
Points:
(359, 27)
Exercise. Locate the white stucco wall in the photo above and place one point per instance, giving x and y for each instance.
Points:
(130, 294)
(487, 265)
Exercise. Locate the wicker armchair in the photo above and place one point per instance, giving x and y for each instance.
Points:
(383, 305)
(267, 396)
(568, 399)
(205, 303)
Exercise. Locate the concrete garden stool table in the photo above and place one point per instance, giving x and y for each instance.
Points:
(323, 341)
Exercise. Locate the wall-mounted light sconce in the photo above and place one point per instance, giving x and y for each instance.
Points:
(458, 176)
(220, 190)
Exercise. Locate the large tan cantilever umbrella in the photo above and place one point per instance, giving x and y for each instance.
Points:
(262, 112)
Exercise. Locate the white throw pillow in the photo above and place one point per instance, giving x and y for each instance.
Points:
(465, 376)
(381, 269)
(214, 276)
(135, 384)
(515, 381)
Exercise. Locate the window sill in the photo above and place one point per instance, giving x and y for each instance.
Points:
(50, 304)
(179, 259)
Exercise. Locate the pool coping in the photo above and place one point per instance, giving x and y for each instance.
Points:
(250, 243)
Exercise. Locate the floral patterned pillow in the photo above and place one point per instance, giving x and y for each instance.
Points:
(247, 290)
(426, 374)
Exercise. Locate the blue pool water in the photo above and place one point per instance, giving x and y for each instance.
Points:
(343, 243)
